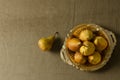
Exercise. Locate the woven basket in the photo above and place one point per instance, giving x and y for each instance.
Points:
(110, 37)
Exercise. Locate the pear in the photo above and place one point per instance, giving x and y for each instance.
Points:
(86, 35)
(100, 43)
(94, 58)
(87, 49)
(80, 59)
(73, 44)
(46, 43)
(76, 33)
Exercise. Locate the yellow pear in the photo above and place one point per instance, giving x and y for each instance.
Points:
(87, 49)
(45, 44)
(76, 33)
(86, 35)
(80, 59)
(94, 58)
(100, 43)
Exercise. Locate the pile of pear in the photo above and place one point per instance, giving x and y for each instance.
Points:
(86, 46)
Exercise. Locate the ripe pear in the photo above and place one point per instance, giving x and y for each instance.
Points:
(87, 49)
(73, 44)
(94, 58)
(80, 59)
(46, 43)
(86, 35)
(76, 33)
(100, 43)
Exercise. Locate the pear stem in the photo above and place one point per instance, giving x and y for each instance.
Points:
(56, 33)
